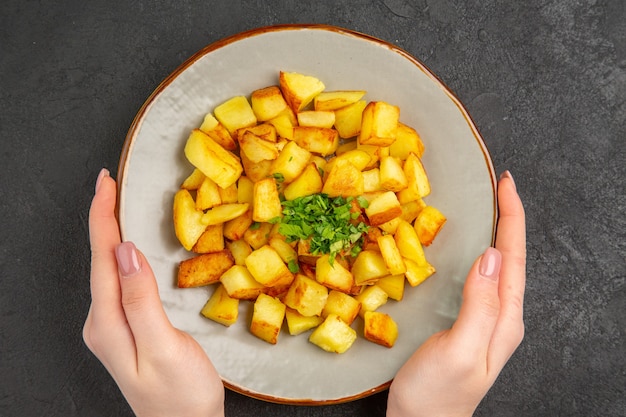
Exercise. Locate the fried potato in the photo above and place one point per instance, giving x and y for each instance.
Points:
(380, 328)
(267, 318)
(298, 89)
(221, 308)
(204, 269)
(212, 159)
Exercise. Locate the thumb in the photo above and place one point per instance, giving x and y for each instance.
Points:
(140, 297)
(481, 305)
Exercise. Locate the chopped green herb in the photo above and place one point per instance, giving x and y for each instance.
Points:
(254, 226)
(278, 177)
(293, 266)
(328, 223)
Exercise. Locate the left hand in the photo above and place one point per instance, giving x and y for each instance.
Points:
(161, 370)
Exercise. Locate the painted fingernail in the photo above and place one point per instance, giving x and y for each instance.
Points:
(103, 173)
(128, 260)
(489, 266)
(507, 174)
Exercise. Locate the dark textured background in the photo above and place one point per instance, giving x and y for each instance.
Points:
(545, 82)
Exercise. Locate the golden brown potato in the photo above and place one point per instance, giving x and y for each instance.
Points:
(383, 208)
(371, 298)
(267, 318)
(224, 213)
(267, 267)
(212, 159)
(235, 114)
(316, 118)
(194, 180)
(240, 284)
(291, 161)
(393, 285)
(334, 276)
(213, 128)
(266, 203)
(428, 223)
(188, 225)
(208, 195)
(368, 267)
(221, 308)
(267, 103)
(380, 328)
(418, 185)
(391, 255)
(212, 240)
(343, 305)
(344, 179)
(235, 229)
(257, 149)
(333, 100)
(307, 296)
(333, 335)
(318, 140)
(299, 89)
(379, 124)
(407, 141)
(309, 182)
(204, 269)
(348, 119)
(297, 323)
(392, 175)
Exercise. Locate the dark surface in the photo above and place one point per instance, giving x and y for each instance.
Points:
(545, 82)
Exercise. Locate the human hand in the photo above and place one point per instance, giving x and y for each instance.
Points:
(453, 370)
(161, 370)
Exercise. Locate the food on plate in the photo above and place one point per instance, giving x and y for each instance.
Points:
(310, 204)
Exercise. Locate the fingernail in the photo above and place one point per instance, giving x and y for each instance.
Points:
(507, 174)
(127, 259)
(489, 266)
(103, 173)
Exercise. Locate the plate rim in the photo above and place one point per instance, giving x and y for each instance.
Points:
(137, 121)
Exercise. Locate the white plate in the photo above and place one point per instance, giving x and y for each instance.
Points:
(153, 166)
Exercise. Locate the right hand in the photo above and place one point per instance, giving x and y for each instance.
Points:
(453, 370)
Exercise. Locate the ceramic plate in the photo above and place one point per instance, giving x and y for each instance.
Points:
(153, 166)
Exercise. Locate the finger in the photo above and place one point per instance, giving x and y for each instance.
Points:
(104, 237)
(106, 331)
(474, 327)
(511, 242)
(148, 322)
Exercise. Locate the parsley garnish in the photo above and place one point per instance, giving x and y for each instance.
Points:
(328, 223)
